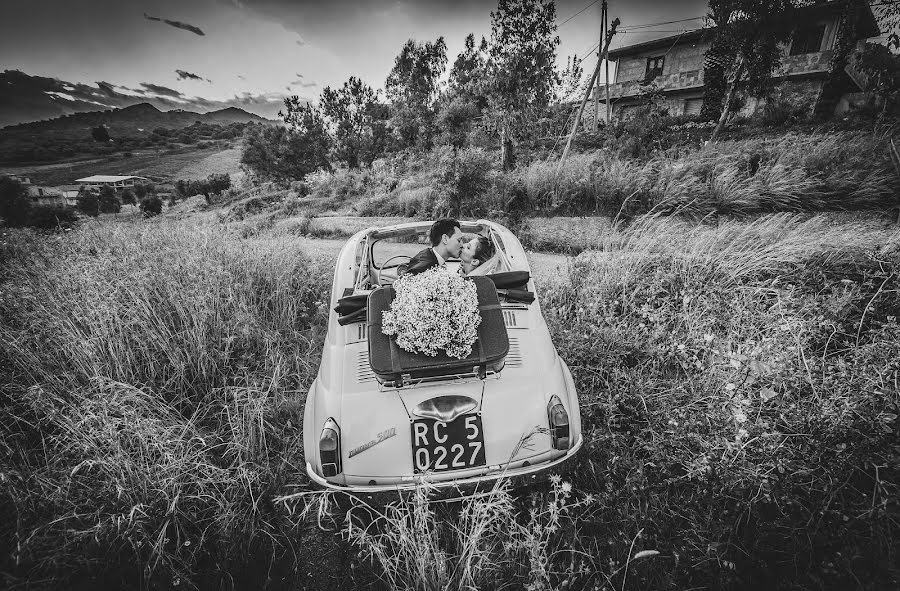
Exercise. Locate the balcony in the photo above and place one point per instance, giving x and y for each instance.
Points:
(795, 65)
(666, 83)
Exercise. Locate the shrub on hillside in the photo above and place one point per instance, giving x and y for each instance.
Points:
(108, 201)
(282, 154)
(463, 178)
(88, 203)
(15, 204)
(50, 217)
(151, 205)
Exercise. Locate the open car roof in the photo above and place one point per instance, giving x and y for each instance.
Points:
(413, 228)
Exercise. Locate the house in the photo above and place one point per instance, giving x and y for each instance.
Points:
(118, 183)
(674, 65)
(18, 178)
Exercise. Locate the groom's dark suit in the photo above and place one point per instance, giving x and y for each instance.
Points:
(424, 260)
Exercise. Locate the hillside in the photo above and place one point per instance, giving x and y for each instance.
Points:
(128, 121)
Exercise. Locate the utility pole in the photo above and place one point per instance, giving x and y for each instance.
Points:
(596, 87)
(605, 27)
(587, 94)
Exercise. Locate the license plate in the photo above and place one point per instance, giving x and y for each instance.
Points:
(438, 446)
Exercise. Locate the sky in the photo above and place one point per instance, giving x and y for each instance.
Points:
(205, 54)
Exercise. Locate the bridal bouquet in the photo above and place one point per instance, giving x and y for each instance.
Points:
(434, 311)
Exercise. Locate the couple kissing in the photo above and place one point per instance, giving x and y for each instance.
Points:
(448, 241)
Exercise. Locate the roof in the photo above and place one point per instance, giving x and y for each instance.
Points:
(661, 42)
(866, 27)
(103, 178)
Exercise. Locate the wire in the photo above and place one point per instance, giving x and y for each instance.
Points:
(577, 13)
(645, 25)
(664, 30)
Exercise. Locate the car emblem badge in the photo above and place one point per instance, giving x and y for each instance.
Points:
(444, 408)
(386, 434)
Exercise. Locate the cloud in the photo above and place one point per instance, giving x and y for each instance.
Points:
(308, 84)
(299, 76)
(242, 77)
(301, 42)
(162, 90)
(176, 24)
(108, 89)
(31, 98)
(184, 75)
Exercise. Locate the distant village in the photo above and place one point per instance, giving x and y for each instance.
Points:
(68, 194)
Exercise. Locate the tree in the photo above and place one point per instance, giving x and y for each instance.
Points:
(50, 217)
(881, 68)
(128, 197)
(218, 182)
(151, 205)
(466, 75)
(15, 204)
(349, 112)
(88, 203)
(520, 71)
(108, 201)
(569, 87)
(744, 52)
(291, 152)
(100, 134)
(412, 86)
(455, 120)
(888, 15)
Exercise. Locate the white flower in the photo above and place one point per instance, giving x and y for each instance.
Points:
(433, 311)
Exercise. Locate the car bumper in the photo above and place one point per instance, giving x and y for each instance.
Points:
(449, 490)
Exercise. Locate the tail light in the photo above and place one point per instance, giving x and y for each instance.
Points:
(559, 423)
(330, 449)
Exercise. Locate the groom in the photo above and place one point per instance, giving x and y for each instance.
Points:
(446, 242)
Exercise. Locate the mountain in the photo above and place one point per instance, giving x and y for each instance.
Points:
(25, 98)
(132, 121)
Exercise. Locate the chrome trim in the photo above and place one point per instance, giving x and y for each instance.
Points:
(388, 488)
(444, 408)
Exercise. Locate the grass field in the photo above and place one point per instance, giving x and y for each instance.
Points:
(161, 167)
(738, 385)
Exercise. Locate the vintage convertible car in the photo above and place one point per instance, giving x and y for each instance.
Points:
(461, 430)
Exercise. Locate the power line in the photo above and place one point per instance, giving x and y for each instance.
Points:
(684, 20)
(665, 30)
(577, 13)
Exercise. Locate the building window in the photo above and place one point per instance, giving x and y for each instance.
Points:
(808, 39)
(654, 67)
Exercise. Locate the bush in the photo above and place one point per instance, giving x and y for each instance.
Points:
(128, 197)
(88, 203)
(49, 217)
(151, 205)
(108, 201)
(463, 177)
(15, 204)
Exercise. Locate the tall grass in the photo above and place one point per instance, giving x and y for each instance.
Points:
(739, 398)
(794, 172)
(153, 381)
(848, 170)
(739, 390)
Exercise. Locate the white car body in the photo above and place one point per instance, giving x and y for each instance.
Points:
(374, 421)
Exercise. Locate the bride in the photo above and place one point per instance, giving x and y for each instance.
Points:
(477, 257)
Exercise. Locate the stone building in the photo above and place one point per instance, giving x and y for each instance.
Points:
(672, 67)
